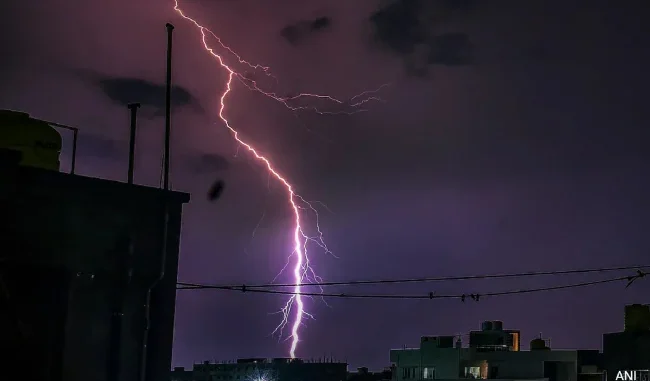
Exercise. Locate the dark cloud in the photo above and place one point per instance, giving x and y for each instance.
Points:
(320, 23)
(398, 27)
(298, 32)
(123, 90)
(292, 33)
(208, 163)
(407, 28)
(151, 95)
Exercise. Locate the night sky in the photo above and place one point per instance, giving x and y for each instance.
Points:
(513, 137)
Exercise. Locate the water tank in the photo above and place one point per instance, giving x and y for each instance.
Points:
(538, 344)
(637, 317)
(486, 326)
(497, 325)
(38, 143)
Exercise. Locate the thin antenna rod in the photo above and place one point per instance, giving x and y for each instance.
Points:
(163, 256)
(134, 119)
(75, 134)
(73, 165)
(168, 106)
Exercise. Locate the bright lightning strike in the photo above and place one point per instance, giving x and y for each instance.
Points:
(303, 273)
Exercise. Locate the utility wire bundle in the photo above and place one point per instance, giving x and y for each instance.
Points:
(273, 288)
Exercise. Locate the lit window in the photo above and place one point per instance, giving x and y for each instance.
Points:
(429, 373)
(473, 372)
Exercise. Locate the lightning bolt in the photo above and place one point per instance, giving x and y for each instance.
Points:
(303, 273)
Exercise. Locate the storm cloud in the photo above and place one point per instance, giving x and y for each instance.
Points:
(408, 28)
(298, 32)
(124, 90)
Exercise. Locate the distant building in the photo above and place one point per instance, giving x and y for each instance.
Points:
(181, 374)
(88, 267)
(276, 369)
(493, 353)
(363, 374)
(628, 350)
(492, 337)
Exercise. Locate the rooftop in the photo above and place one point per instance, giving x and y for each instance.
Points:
(53, 183)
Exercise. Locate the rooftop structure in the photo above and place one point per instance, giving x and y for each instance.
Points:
(492, 353)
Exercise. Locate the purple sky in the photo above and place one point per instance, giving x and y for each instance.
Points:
(531, 157)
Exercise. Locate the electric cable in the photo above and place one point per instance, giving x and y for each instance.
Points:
(429, 295)
(422, 280)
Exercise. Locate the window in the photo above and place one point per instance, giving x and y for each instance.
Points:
(473, 372)
(409, 373)
(429, 373)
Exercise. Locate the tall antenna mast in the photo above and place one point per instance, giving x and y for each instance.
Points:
(168, 106)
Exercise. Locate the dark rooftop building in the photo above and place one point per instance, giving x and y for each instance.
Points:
(87, 272)
(276, 369)
(628, 350)
(363, 374)
(181, 374)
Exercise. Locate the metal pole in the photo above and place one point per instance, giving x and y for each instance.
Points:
(134, 115)
(165, 232)
(168, 105)
(75, 133)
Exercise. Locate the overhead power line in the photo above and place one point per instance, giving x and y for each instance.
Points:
(425, 279)
(430, 295)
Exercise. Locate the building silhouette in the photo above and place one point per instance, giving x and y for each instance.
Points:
(88, 266)
(492, 337)
(492, 353)
(363, 374)
(628, 350)
(263, 369)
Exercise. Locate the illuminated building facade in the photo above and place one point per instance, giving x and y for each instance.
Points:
(492, 353)
(492, 337)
